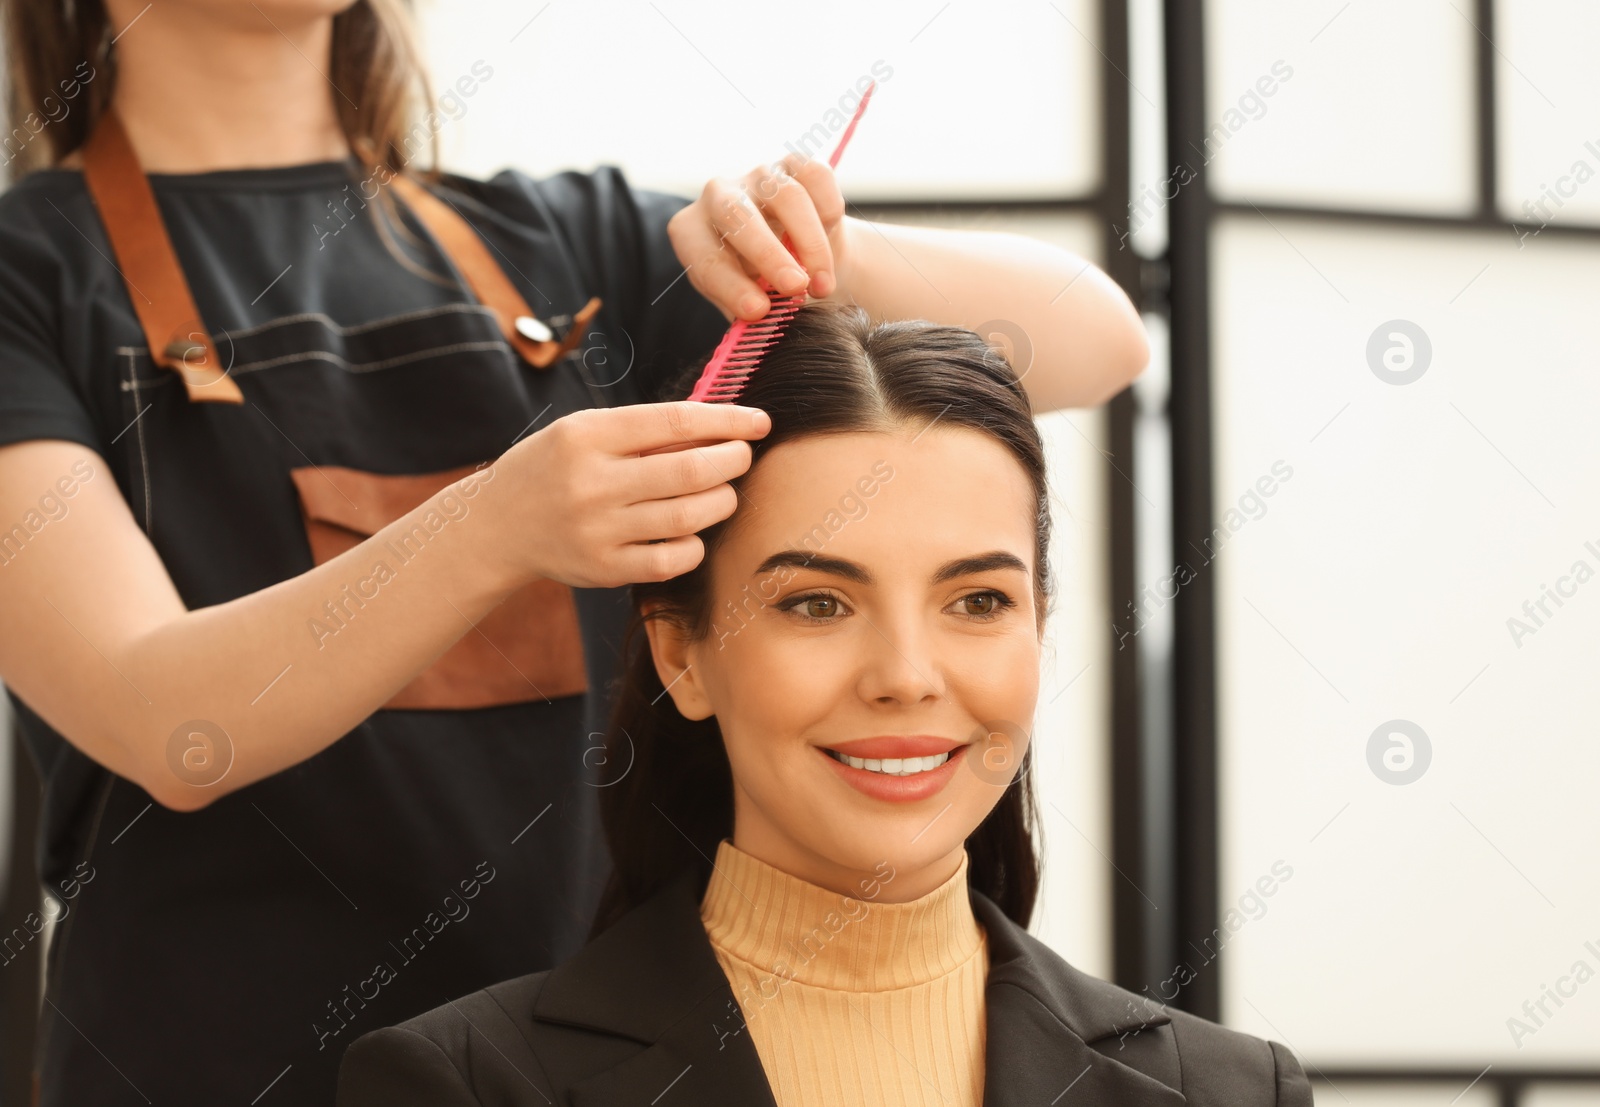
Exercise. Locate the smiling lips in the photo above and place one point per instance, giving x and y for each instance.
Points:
(897, 768)
(897, 746)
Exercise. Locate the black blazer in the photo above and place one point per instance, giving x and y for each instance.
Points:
(644, 1014)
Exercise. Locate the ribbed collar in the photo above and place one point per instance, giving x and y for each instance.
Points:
(796, 930)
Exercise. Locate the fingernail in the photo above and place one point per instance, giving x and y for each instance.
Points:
(759, 420)
(752, 304)
(793, 278)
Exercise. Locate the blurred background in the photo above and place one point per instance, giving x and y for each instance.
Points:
(1316, 745)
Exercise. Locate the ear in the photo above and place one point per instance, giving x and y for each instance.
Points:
(670, 649)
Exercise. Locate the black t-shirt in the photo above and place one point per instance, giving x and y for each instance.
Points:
(206, 957)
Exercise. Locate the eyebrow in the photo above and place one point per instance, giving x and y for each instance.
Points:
(839, 567)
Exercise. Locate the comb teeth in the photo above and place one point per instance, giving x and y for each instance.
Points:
(740, 351)
(742, 348)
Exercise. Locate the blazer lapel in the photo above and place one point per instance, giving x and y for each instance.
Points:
(1042, 1013)
(676, 1000)
(1041, 1016)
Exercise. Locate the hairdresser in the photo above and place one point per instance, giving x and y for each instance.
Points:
(316, 513)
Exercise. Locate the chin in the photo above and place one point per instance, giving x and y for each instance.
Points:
(883, 845)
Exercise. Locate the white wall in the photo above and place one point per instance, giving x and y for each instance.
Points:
(1378, 581)
(982, 100)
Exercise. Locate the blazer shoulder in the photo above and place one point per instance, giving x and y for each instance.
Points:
(1219, 1065)
(469, 1052)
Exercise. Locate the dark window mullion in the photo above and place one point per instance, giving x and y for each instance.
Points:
(1134, 948)
(1192, 842)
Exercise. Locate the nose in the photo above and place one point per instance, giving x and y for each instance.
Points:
(901, 661)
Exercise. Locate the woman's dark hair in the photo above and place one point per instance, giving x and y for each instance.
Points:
(833, 372)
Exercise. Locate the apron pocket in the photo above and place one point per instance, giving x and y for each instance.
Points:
(528, 648)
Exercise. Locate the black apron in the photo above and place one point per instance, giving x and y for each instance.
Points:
(449, 841)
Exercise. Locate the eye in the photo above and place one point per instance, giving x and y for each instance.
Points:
(997, 603)
(827, 605)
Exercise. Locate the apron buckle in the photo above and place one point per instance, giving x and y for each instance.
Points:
(533, 330)
(182, 349)
(194, 359)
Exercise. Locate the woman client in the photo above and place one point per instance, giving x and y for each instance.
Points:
(818, 797)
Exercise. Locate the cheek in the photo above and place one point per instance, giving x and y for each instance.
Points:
(762, 691)
(1001, 694)
(999, 679)
(768, 708)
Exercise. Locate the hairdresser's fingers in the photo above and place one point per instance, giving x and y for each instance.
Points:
(710, 267)
(653, 561)
(684, 472)
(708, 236)
(818, 179)
(727, 281)
(639, 428)
(675, 447)
(783, 196)
(655, 520)
(771, 194)
(698, 243)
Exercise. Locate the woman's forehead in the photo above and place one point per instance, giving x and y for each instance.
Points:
(885, 498)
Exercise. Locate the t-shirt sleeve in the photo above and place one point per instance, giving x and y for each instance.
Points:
(618, 235)
(37, 397)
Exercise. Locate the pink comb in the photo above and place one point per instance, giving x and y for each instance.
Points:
(741, 349)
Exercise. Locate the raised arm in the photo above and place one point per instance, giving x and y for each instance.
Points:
(1074, 334)
(1084, 340)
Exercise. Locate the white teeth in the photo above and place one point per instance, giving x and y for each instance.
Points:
(893, 766)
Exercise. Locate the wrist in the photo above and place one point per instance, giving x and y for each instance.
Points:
(496, 559)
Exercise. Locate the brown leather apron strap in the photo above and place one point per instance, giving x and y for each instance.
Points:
(173, 329)
(467, 249)
(176, 334)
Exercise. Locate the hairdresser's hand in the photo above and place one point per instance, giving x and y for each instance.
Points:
(613, 496)
(733, 233)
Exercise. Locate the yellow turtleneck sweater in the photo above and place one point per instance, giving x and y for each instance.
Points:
(852, 1001)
